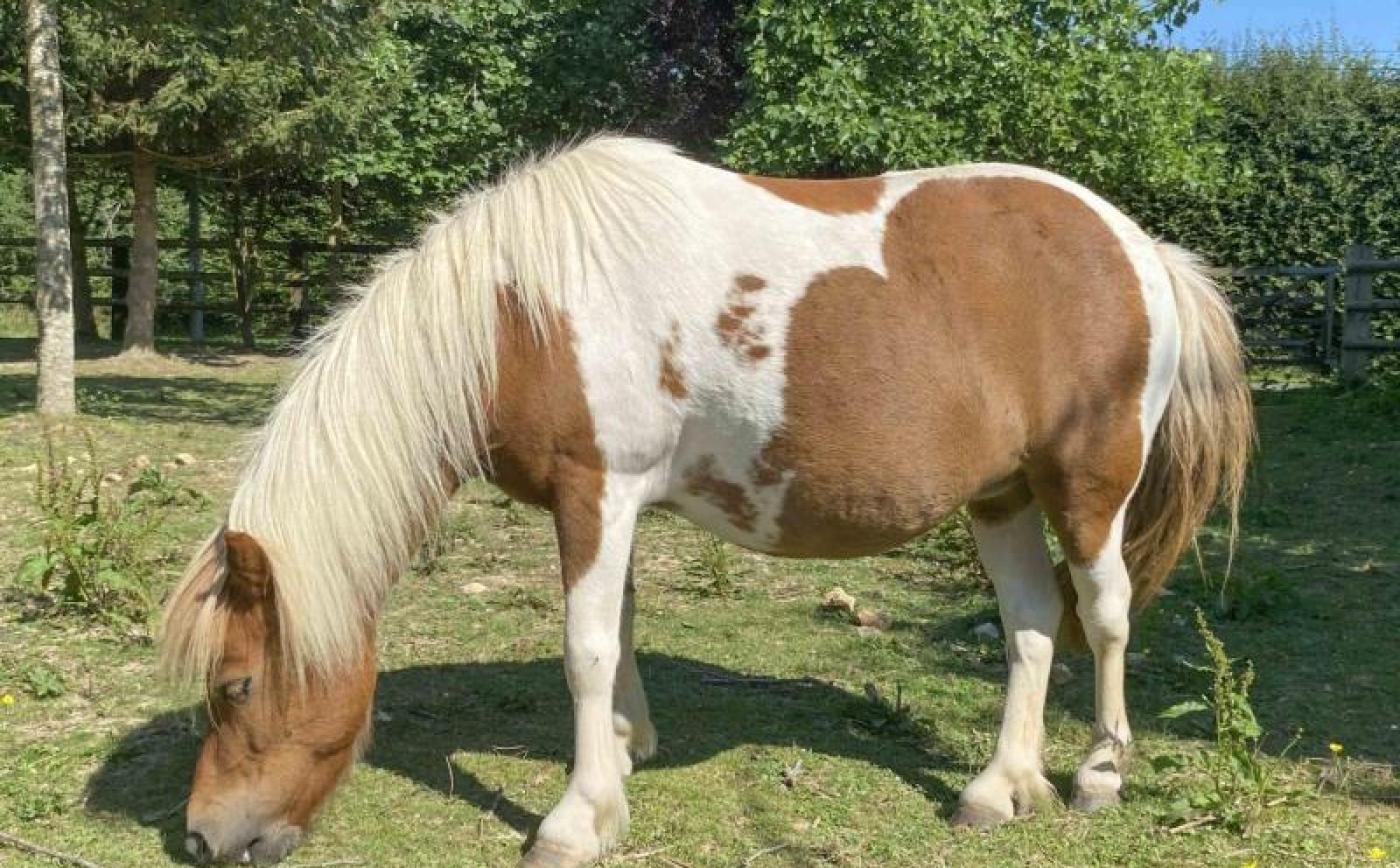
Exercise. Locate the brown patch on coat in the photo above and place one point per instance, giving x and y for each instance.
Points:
(672, 381)
(747, 283)
(845, 196)
(1010, 337)
(543, 448)
(702, 480)
(764, 470)
(734, 326)
(273, 753)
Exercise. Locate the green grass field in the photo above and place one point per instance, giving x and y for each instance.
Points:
(773, 751)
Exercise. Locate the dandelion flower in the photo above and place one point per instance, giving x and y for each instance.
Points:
(1376, 854)
(1252, 863)
(1335, 747)
(7, 699)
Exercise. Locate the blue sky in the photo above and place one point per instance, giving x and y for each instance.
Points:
(1373, 24)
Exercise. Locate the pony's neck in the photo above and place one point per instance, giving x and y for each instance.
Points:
(364, 450)
(389, 407)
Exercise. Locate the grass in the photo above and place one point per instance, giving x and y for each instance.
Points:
(787, 738)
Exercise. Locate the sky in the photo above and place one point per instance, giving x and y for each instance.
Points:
(1373, 24)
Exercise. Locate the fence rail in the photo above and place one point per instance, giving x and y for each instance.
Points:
(281, 263)
(1319, 316)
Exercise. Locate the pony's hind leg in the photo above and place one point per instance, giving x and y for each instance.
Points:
(1085, 494)
(1105, 595)
(631, 717)
(1011, 544)
(595, 543)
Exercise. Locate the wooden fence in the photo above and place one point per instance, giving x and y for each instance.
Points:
(1320, 316)
(1327, 317)
(236, 285)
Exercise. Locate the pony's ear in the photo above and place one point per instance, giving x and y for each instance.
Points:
(249, 570)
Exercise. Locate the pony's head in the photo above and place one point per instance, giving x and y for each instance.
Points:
(279, 740)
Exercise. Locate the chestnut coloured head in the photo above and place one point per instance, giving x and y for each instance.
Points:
(276, 748)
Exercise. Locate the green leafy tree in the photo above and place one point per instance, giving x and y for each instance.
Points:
(198, 85)
(491, 80)
(854, 86)
(1311, 139)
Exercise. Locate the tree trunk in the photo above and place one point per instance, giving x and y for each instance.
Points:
(84, 323)
(141, 291)
(53, 259)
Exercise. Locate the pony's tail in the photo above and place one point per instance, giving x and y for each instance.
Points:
(1202, 446)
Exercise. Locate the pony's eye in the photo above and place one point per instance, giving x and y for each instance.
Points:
(238, 690)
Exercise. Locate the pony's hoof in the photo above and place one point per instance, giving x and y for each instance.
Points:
(641, 744)
(547, 854)
(978, 817)
(1092, 801)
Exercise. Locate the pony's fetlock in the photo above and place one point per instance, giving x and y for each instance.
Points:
(1098, 783)
(587, 823)
(1000, 793)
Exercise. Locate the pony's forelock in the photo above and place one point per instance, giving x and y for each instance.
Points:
(193, 624)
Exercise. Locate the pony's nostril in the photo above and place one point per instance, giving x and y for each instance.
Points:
(198, 847)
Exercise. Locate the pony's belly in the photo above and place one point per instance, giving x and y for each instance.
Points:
(796, 514)
(855, 525)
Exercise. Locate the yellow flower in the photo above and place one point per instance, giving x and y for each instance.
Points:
(1376, 854)
(1335, 747)
(7, 699)
(1252, 863)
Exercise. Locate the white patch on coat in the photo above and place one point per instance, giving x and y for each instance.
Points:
(734, 403)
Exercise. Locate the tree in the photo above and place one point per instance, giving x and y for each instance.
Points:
(53, 296)
(1311, 140)
(858, 86)
(195, 85)
(491, 81)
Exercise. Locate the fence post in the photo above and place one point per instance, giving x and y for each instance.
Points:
(300, 283)
(1356, 319)
(243, 257)
(337, 233)
(121, 268)
(195, 227)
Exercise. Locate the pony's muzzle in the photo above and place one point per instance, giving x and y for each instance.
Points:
(205, 846)
(198, 847)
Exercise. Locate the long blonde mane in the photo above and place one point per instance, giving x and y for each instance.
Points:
(388, 408)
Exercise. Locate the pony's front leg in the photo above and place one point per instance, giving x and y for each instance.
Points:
(1012, 549)
(595, 543)
(631, 716)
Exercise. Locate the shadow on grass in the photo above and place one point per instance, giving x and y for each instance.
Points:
(146, 395)
(153, 398)
(223, 353)
(489, 708)
(26, 349)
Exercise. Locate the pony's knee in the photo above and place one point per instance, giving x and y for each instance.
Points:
(1031, 646)
(1104, 594)
(591, 660)
(1105, 618)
